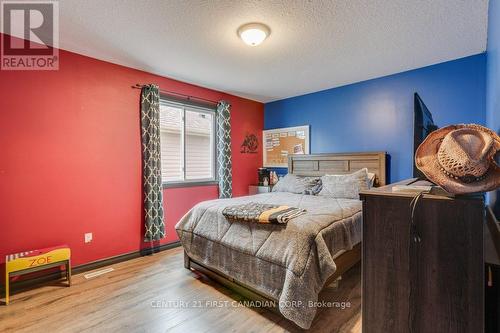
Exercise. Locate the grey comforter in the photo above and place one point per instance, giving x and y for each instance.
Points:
(290, 262)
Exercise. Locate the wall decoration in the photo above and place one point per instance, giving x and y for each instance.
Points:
(280, 142)
(250, 144)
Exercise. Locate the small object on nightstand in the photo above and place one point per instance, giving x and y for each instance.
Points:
(274, 178)
(256, 189)
(263, 173)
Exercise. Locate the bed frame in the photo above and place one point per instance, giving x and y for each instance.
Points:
(309, 165)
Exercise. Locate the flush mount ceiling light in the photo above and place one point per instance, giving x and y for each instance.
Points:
(253, 33)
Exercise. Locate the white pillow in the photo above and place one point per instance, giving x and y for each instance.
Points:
(345, 186)
(371, 179)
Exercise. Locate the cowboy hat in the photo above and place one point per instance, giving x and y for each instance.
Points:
(461, 158)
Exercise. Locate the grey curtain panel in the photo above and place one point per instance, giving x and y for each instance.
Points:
(151, 163)
(224, 166)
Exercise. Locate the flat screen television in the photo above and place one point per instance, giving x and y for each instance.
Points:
(423, 125)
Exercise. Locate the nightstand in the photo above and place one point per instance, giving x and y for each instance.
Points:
(256, 189)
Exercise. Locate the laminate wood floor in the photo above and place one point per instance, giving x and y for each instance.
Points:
(148, 294)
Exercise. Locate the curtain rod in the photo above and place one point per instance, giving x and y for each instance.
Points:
(187, 97)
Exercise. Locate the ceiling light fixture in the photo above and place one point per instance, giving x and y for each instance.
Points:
(253, 33)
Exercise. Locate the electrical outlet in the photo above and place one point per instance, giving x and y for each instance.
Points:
(88, 237)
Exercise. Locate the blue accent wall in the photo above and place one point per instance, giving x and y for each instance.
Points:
(377, 115)
(493, 82)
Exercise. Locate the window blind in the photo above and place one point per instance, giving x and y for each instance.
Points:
(187, 143)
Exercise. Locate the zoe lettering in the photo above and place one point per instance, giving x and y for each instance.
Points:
(40, 261)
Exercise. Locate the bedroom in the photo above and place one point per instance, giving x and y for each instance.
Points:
(78, 158)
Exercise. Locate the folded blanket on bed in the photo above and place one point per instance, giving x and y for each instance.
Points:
(261, 213)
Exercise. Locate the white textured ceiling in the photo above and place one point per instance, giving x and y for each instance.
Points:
(314, 45)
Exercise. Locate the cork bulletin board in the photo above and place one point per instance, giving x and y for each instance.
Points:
(280, 142)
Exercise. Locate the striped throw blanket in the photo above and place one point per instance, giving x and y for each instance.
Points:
(262, 213)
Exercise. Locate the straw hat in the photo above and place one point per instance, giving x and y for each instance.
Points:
(461, 158)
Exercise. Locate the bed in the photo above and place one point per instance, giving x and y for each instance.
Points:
(282, 267)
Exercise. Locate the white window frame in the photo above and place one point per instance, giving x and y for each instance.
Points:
(200, 109)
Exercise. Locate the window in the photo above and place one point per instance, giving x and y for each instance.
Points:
(187, 143)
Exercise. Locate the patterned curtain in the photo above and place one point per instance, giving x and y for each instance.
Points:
(224, 166)
(151, 163)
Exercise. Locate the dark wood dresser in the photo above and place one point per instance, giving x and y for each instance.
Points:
(434, 284)
(492, 273)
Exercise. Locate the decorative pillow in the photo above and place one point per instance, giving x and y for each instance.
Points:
(345, 186)
(315, 189)
(295, 184)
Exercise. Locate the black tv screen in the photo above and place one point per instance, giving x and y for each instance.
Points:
(423, 125)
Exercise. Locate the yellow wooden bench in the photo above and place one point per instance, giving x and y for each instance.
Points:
(36, 260)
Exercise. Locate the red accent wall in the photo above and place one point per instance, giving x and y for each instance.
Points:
(70, 157)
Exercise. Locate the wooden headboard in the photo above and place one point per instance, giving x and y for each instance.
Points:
(338, 163)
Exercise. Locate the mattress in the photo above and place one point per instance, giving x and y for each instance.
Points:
(290, 263)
